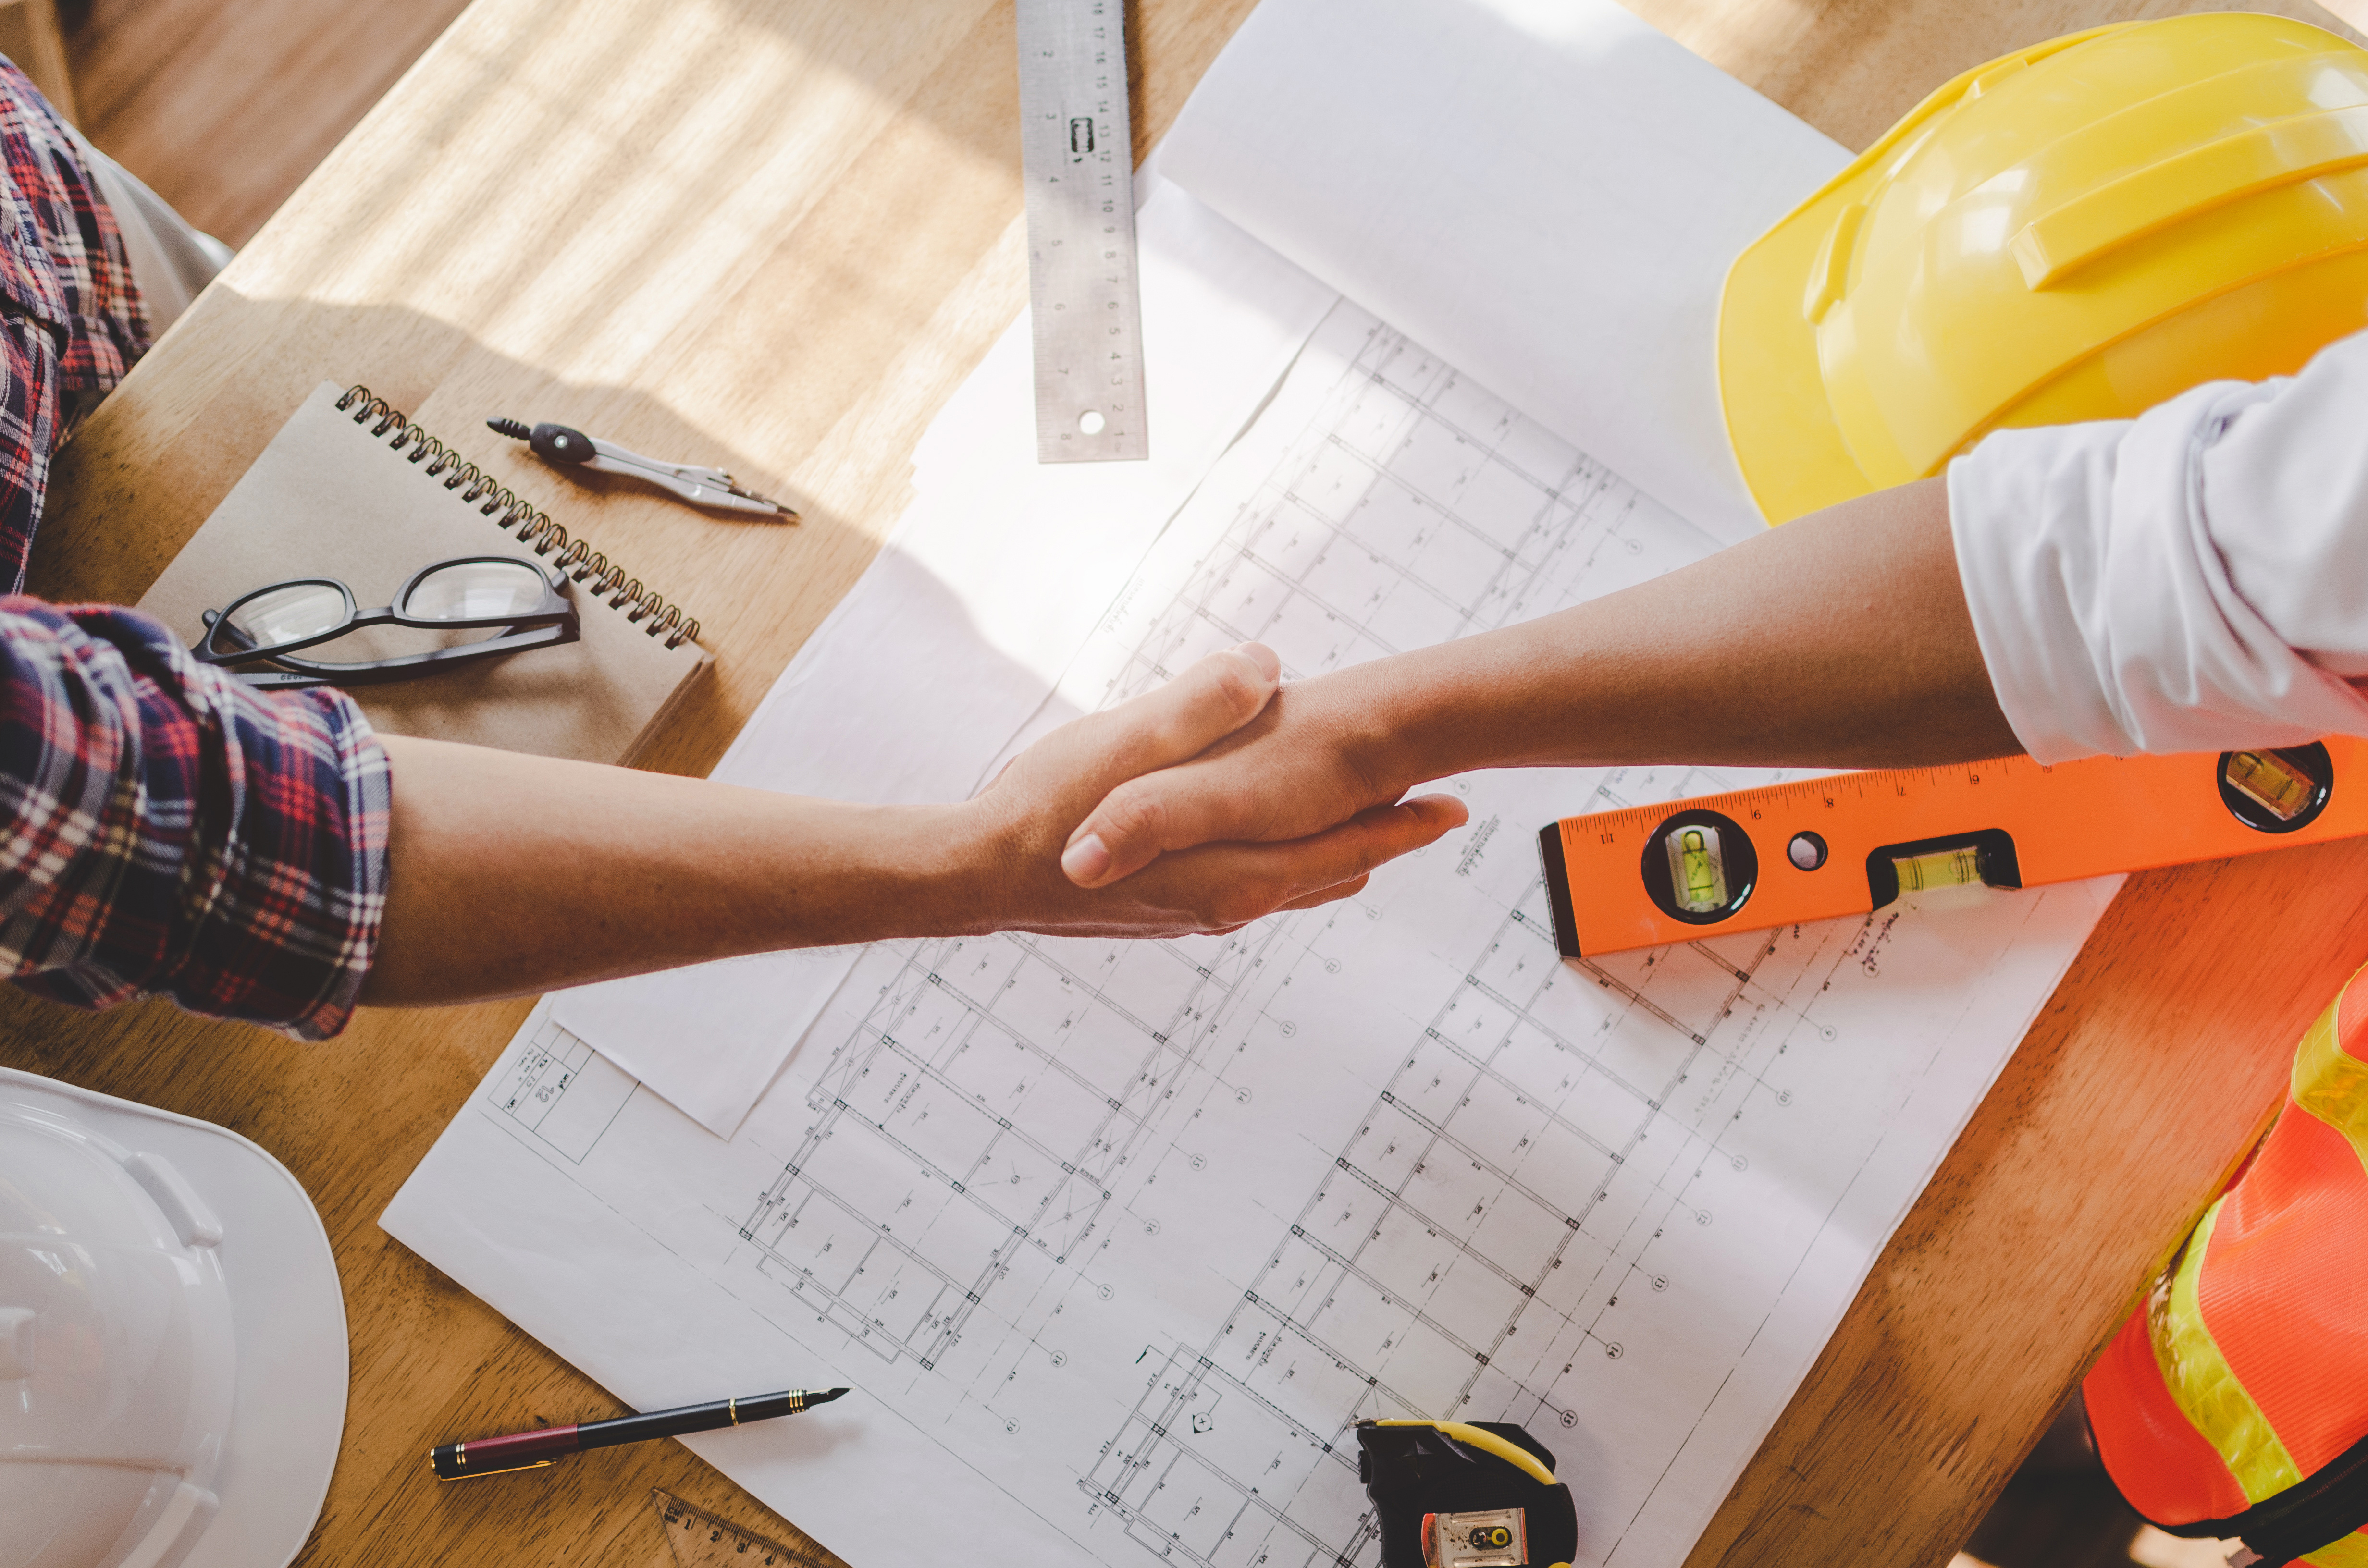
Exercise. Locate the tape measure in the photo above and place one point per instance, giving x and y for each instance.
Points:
(698, 1539)
(1853, 843)
(1077, 147)
(1465, 1494)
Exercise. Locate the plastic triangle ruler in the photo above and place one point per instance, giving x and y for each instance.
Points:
(1077, 147)
(700, 1540)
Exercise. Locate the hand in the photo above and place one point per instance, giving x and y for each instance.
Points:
(1215, 887)
(596, 872)
(1307, 761)
(1841, 641)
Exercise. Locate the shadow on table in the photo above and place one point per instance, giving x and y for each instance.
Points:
(155, 458)
(351, 1117)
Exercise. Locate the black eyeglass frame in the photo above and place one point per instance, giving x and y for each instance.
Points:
(551, 624)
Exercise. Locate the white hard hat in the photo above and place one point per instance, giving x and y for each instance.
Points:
(172, 1340)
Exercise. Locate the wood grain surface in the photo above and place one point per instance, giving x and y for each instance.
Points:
(31, 38)
(775, 235)
(222, 107)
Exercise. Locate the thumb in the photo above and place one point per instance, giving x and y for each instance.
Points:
(1179, 720)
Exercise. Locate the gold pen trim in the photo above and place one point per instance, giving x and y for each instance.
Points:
(506, 1469)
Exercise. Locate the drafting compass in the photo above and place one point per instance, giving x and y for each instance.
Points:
(564, 448)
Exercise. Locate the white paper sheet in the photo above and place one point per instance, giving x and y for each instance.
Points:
(1546, 192)
(1116, 1241)
(955, 635)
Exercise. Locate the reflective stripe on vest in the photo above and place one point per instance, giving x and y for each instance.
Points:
(2246, 1369)
(2331, 1084)
(2352, 1551)
(2200, 1380)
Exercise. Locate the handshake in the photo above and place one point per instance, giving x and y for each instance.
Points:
(1841, 639)
(1199, 807)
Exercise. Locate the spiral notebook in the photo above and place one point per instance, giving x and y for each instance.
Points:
(351, 489)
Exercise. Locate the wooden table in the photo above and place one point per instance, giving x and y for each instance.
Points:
(781, 232)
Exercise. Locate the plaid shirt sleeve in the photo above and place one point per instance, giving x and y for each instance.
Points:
(165, 829)
(70, 318)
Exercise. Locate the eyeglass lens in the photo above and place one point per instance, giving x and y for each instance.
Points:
(477, 590)
(289, 614)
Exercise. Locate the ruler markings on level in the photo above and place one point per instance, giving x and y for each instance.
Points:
(1844, 844)
(1894, 782)
(1078, 157)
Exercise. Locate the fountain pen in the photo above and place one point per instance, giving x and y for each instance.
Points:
(529, 1450)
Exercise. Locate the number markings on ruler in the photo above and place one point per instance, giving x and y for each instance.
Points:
(700, 1540)
(1636, 823)
(1077, 147)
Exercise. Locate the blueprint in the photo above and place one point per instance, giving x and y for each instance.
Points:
(1547, 192)
(1117, 1240)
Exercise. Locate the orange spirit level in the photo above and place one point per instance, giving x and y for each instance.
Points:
(1853, 843)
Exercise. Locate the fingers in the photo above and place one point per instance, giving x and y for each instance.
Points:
(1173, 725)
(1190, 713)
(1349, 888)
(1219, 887)
(1146, 816)
(1328, 865)
(1372, 838)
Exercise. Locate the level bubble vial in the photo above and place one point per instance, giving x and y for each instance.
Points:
(2276, 791)
(1699, 866)
(1697, 870)
(2271, 780)
(1938, 870)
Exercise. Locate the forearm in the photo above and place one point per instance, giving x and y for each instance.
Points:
(509, 873)
(1840, 640)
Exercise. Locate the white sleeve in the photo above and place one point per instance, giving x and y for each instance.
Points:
(2192, 579)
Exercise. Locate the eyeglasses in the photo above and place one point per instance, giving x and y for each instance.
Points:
(270, 624)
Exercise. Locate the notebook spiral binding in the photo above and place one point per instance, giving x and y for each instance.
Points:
(532, 526)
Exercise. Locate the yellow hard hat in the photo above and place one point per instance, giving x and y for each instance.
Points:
(2075, 231)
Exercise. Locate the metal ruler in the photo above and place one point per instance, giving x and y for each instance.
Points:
(1850, 844)
(700, 1540)
(1076, 151)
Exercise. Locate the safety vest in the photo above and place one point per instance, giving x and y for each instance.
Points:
(2234, 1404)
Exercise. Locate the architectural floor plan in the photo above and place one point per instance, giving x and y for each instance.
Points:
(1117, 1240)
